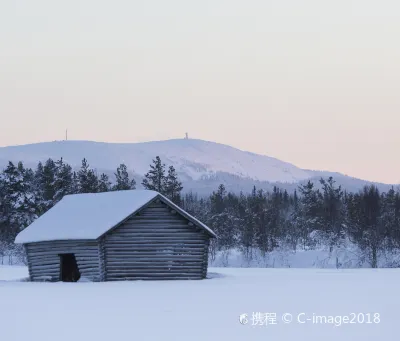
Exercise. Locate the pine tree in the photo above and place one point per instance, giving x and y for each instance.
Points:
(173, 187)
(390, 218)
(44, 182)
(88, 181)
(309, 219)
(38, 190)
(104, 183)
(275, 220)
(295, 223)
(3, 210)
(6, 210)
(155, 179)
(223, 221)
(38, 176)
(93, 182)
(75, 183)
(17, 199)
(83, 177)
(122, 179)
(246, 230)
(63, 183)
(261, 212)
(333, 212)
(367, 229)
(217, 200)
(28, 209)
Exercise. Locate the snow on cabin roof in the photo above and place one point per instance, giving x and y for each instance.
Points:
(89, 216)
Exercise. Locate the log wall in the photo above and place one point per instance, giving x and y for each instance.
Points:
(44, 260)
(157, 243)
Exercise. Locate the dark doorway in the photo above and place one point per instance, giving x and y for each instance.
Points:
(69, 271)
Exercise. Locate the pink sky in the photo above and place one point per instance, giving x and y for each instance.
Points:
(315, 83)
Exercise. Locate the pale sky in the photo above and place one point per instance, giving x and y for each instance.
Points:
(315, 83)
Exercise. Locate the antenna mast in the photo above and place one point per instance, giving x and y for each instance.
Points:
(66, 135)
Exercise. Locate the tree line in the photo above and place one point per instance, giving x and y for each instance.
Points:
(257, 222)
(308, 219)
(25, 193)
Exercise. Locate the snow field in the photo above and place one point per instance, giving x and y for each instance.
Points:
(202, 310)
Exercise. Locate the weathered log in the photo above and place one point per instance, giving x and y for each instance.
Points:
(114, 260)
(89, 267)
(198, 265)
(155, 235)
(139, 277)
(154, 276)
(121, 253)
(158, 262)
(153, 248)
(167, 241)
(80, 252)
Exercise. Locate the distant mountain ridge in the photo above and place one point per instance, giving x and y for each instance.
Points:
(201, 165)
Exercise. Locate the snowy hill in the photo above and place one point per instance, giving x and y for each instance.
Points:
(202, 165)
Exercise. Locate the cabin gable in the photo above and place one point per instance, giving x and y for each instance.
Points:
(156, 243)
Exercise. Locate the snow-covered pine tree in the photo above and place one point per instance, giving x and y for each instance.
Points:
(44, 185)
(261, 211)
(367, 228)
(294, 223)
(122, 181)
(310, 207)
(88, 181)
(104, 183)
(5, 211)
(75, 183)
(275, 225)
(244, 230)
(38, 189)
(390, 218)
(83, 177)
(333, 213)
(217, 200)
(155, 178)
(93, 181)
(173, 187)
(218, 219)
(63, 183)
(247, 234)
(17, 199)
(29, 199)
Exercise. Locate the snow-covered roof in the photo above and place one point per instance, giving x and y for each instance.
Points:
(89, 216)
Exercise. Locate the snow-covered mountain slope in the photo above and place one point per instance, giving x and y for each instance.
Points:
(202, 165)
(195, 159)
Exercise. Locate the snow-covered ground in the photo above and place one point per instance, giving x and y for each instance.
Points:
(205, 310)
(13, 273)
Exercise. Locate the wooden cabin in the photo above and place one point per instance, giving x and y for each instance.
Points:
(121, 235)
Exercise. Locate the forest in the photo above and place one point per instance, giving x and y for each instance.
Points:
(254, 224)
